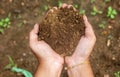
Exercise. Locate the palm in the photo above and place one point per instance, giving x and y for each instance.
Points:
(42, 50)
(86, 43)
(84, 47)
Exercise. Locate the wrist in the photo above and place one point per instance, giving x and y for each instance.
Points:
(72, 62)
(80, 64)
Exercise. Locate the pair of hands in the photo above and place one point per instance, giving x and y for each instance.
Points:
(44, 52)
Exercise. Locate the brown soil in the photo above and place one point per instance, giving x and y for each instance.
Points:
(105, 59)
(62, 30)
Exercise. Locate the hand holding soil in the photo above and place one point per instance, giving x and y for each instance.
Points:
(62, 29)
(22, 14)
(42, 49)
(65, 32)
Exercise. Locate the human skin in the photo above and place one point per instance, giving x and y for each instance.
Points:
(81, 54)
(51, 63)
(80, 57)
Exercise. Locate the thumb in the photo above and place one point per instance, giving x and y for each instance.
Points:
(34, 34)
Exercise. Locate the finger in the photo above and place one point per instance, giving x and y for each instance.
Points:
(88, 30)
(51, 11)
(45, 46)
(54, 8)
(34, 34)
(64, 5)
(71, 6)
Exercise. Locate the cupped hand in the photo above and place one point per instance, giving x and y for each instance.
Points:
(42, 50)
(86, 43)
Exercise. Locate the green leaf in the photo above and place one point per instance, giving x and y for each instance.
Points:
(110, 8)
(117, 74)
(7, 19)
(102, 26)
(95, 9)
(82, 11)
(111, 12)
(60, 3)
(76, 6)
(1, 24)
(93, 13)
(46, 7)
(8, 66)
(114, 12)
(22, 71)
(11, 61)
(112, 16)
(5, 25)
(1, 30)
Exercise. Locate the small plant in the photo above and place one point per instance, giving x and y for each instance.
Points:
(102, 24)
(111, 12)
(11, 63)
(117, 74)
(95, 11)
(60, 3)
(13, 67)
(75, 5)
(82, 11)
(46, 7)
(4, 23)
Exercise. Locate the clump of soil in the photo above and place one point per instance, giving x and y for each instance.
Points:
(62, 30)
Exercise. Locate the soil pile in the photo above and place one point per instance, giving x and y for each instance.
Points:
(62, 30)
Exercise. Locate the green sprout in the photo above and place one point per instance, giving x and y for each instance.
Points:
(46, 7)
(11, 63)
(95, 11)
(13, 67)
(60, 3)
(4, 23)
(75, 5)
(117, 74)
(82, 11)
(111, 12)
(102, 24)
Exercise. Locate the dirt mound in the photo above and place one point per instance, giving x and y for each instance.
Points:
(62, 30)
